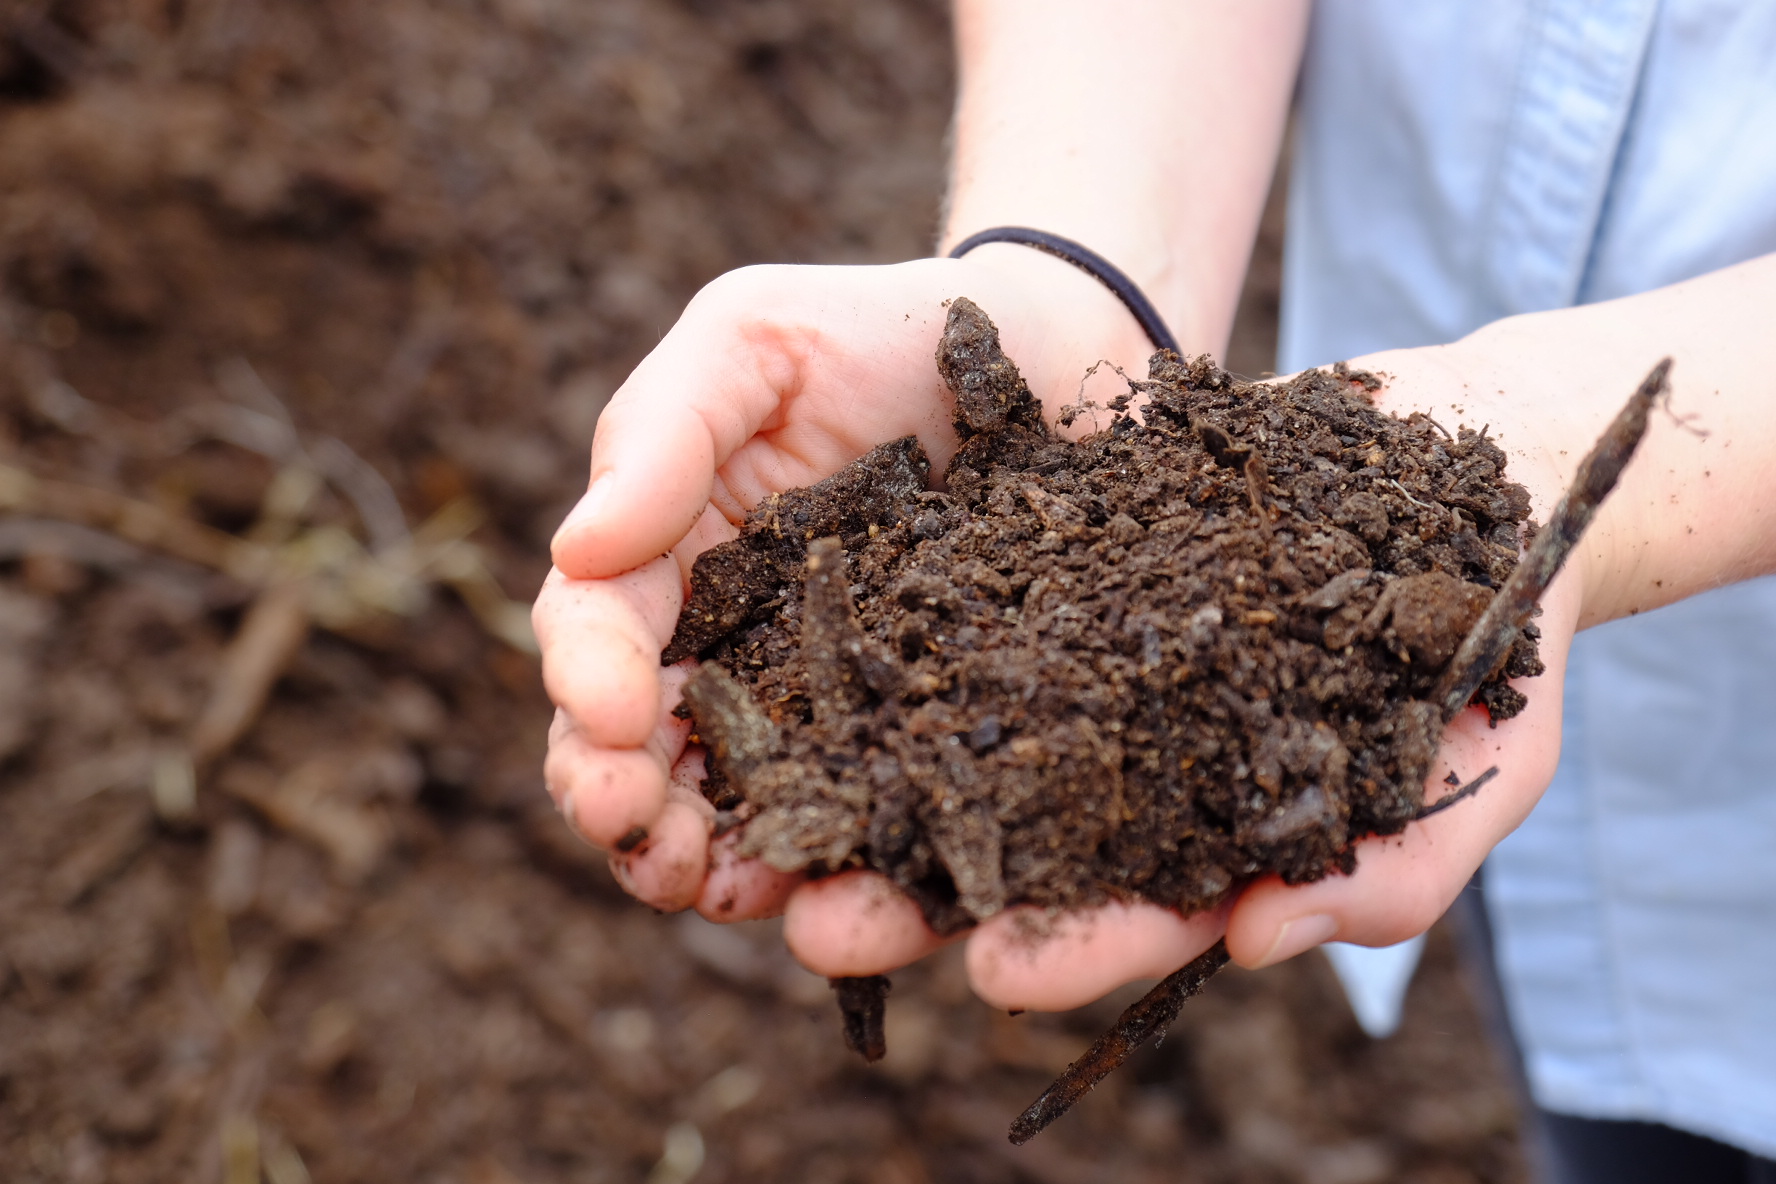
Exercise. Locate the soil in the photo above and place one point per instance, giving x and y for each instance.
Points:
(1179, 653)
(440, 233)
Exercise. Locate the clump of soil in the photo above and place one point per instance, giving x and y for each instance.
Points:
(1174, 655)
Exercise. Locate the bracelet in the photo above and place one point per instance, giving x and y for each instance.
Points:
(1086, 260)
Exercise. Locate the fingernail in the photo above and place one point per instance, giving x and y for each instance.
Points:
(588, 507)
(1298, 936)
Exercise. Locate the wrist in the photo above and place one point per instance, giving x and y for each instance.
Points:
(1143, 261)
(1055, 321)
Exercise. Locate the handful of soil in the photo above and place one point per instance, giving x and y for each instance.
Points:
(1180, 653)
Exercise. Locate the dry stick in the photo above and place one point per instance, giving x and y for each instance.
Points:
(142, 523)
(1484, 648)
(1480, 654)
(862, 1007)
(1460, 795)
(1496, 631)
(274, 630)
(1146, 1018)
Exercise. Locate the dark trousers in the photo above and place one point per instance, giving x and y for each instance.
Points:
(1596, 1151)
(1564, 1149)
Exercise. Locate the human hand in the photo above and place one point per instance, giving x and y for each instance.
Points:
(1509, 378)
(774, 378)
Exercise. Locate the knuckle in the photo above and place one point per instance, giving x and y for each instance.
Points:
(737, 290)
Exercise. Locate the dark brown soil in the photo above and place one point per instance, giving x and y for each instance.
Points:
(441, 233)
(1177, 654)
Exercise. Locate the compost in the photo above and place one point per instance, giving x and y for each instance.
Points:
(1194, 647)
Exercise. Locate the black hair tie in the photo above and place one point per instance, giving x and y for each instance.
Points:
(1086, 260)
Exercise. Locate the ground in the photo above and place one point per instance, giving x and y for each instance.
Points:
(358, 945)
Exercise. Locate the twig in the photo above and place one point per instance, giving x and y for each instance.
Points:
(274, 629)
(1465, 792)
(1496, 631)
(346, 582)
(369, 492)
(138, 522)
(1145, 1019)
(317, 802)
(863, 1005)
(1256, 480)
(832, 640)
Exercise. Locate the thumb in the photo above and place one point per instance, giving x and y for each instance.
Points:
(709, 385)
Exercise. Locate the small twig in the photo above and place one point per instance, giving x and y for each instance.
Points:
(369, 492)
(138, 522)
(1146, 1018)
(863, 1006)
(831, 636)
(274, 630)
(1465, 792)
(1256, 480)
(1496, 631)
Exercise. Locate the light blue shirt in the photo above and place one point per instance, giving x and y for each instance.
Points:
(1458, 162)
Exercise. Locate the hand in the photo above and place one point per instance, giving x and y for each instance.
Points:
(773, 378)
(1403, 883)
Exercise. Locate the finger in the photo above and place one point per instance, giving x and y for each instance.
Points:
(1404, 882)
(611, 797)
(671, 736)
(601, 643)
(667, 870)
(751, 344)
(739, 889)
(1026, 959)
(711, 383)
(855, 923)
(734, 889)
(686, 783)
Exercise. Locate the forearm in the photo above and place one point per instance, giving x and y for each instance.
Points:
(1696, 508)
(1147, 129)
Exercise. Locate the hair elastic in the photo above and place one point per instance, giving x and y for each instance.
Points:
(1086, 260)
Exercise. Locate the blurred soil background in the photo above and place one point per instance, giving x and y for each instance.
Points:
(306, 314)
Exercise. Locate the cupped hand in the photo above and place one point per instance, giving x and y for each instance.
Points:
(1404, 883)
(776, 377)
(773, 378)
